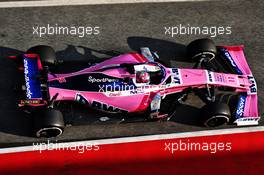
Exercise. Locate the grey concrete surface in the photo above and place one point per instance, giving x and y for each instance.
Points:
(122, 28)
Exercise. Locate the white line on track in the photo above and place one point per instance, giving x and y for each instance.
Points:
(141, 138)
(46, 3)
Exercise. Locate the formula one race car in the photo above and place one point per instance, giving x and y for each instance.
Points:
(133, 82)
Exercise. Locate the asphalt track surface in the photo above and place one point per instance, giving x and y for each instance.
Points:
(123, 28)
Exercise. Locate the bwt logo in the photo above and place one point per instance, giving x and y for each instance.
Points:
(241, 106)
(28, 91)
(253, 86)
(98, 105)
(176, 77)
(210, 76)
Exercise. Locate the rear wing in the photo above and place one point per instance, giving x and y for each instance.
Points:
(247, 107)
(32, 65)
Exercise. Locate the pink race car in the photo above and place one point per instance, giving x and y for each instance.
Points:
(132, 83)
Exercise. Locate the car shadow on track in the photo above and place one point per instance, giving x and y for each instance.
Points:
(75, 58)
(167, 50)
(186, 114)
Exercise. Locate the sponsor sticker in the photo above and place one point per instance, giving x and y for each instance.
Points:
(241, 106)
(220, 78)
(247, 121)
(176, 76)
(28, 87)
(101, 80)
(155, 104)
(97, 104)
(253, 86)
(210, 77)
(32, 82)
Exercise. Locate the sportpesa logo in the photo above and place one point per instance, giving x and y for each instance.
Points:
(241, 106)
(28, 92)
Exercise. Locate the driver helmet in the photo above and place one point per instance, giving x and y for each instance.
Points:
(142, 77)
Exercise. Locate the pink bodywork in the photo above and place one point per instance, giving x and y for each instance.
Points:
(139, 101)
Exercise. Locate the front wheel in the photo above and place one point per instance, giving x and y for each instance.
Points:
(48, 123)
(215, 114)
(201, 50)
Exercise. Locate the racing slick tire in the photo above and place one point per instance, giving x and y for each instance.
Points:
(215, 114)
(48, 123)
(46, 53)
(231, 100)
(201, 49)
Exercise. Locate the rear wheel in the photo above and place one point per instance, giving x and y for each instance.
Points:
(215, 114)
(46, 53)
(48, 123)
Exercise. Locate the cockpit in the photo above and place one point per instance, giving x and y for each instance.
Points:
(149, 73)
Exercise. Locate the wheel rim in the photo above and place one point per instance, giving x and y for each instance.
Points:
(216, 121)
(49, 132)
(205, 56)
